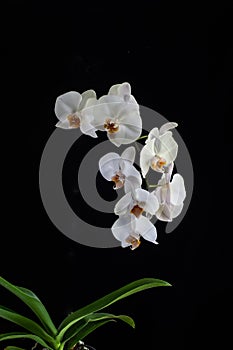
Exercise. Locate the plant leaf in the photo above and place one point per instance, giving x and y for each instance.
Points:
(77, 327)
(101, 316)
(89, 328)
(71, 332)
(20, 335)
(26, 323)
(32, 301)
(129, 289)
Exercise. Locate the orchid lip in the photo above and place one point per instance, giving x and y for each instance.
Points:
(158, 163)
(111, 126)
(133, 241)
(74, 120)
(137, 211)
(119, 180)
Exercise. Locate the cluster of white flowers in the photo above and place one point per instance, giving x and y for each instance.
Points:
(118, 114)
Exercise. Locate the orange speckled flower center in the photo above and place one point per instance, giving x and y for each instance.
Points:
(134, 242)
(119, 180)
(158, 163)
(137, 211)
(111, 126)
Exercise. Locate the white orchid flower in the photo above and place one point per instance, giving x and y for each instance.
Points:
(128, 230)
(136, 202)
(70, 107)
(170, 195)
(121, 120)
(120, 169)
(124, 91)
(160, 149)
(155, 132)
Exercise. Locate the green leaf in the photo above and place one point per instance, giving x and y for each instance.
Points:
(32, 301)
(101, 316)
(129, 289)
(77, 327)
(26, 323)
(13, 348)
(89, 328)
(20, 335)
(73, 330)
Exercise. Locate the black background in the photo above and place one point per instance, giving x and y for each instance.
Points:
(177, 57)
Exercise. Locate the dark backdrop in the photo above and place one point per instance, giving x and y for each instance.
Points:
(177, 58)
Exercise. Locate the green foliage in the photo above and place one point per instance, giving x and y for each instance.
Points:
(74, 327)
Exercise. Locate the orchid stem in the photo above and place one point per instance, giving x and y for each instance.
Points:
(147, 184)
(150, 186)
(142, 137)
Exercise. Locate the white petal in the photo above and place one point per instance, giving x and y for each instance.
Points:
(132, 183)
(176, 210)
(86, 95)
(146, 155)
(146, 229)
(123, 228)
(114, 89)
(124, 90)
(126, 134)
(167, 126)
(163, 180)
(101, 113)
(152, 204)
(168, 172)
(63, 124)
(67, 104)
(148, 201)
(163, 193)
(164, 213)
(91, 102)
(109, 165)
(129, 154)
(177, 188)
(87, 125)
(107, 107)
(128, 114)
(154, 133)
(133, 178)
(141, 195)
(124, 205)
(130, 124)
(128, 169)
(87, 128)
(167, 147)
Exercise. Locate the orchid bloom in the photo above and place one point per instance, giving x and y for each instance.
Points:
(170, 196)
(70, 107)
(120, 169)
(136, 202)
(121, 120)
(128, 230)
(124, 91)
(160, 149)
